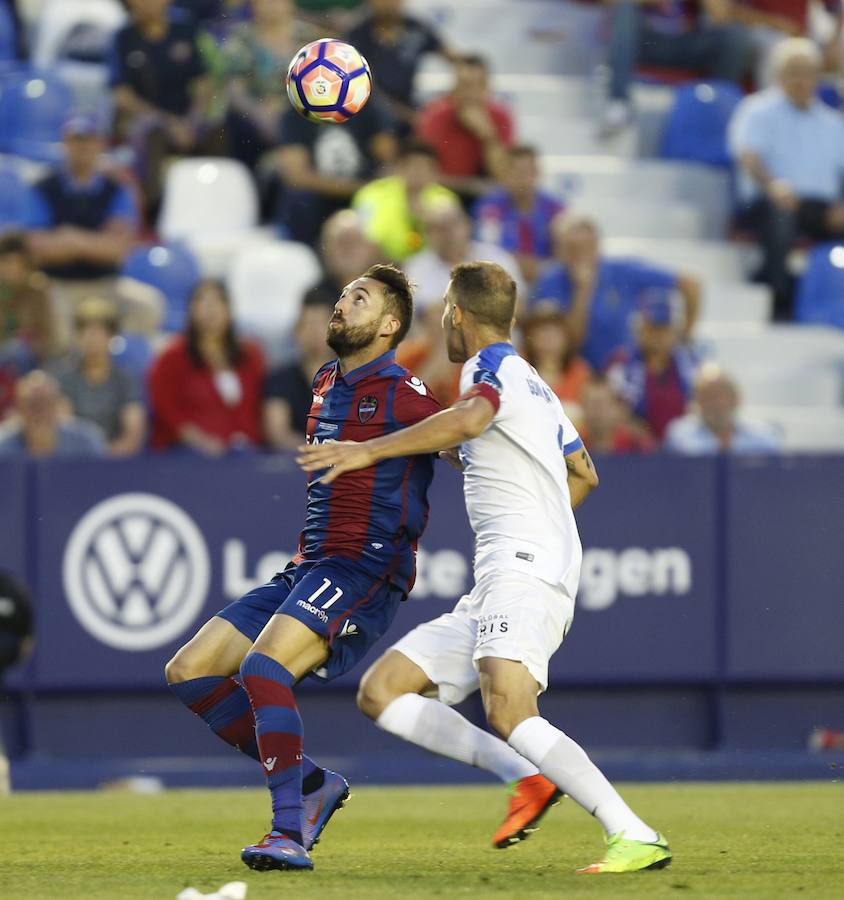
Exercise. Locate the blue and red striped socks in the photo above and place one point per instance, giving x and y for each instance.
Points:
(278, 727)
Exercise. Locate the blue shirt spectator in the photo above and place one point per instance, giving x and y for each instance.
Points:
(517, 216)
(83, 220)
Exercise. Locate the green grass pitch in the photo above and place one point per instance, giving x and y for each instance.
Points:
(737, 840)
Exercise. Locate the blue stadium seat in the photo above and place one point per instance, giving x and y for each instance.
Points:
(820, 294)
(7, 34)
(33, 107)
(13, 191)
(133, 352)
(173, 270)
(696, 126)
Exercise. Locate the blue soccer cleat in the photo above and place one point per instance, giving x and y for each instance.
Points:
(276, 851)
(320, 805)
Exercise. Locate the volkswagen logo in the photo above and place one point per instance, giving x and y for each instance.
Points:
(136, 571)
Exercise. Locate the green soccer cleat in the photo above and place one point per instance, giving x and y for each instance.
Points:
(630, 856)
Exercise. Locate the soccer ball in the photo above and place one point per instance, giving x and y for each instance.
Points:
(328, 81)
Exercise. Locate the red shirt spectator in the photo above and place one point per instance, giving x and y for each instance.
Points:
(468, 130)
(793, 12)
(205, 388)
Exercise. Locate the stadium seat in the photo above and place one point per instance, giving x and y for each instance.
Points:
(696, 128)
(725, 301)
(33, 107)
(716, 260)
(13, 190)
(173, 270)
(211, 204)
(803, 430)
(558, 134)
(7, 35)
(620, 217)
(799, 346)
(790, 385)
(820, 294)
(267, 284)
(80, 30)
(132, 352)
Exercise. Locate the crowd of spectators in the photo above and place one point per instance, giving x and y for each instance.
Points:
(427, 185)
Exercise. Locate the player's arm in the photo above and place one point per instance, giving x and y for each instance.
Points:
(582, 475)
(465, 420)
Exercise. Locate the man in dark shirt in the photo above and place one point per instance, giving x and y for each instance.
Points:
(323, 165)
(160, 87)
(394, 45)
(82, 220)
(287, 392)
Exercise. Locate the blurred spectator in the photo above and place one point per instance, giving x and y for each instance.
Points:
(249, 91)
(288, 393)
(600, 295)
(517, 215)
(217, 17)
(699, 35)
(205, 388)
(468, 129)
(40, 427)
(449, 234)
(655, 377)
(715, 426)
(96, 389)
(322, 167)
(770, 21)
(822, 739)
(26, 316)
(160, 87)
(426, 355)
(790, 147)
(332, 16)
(607, 425)
(392, 207)
(83, 220)
(394, 45)
(346, 251)
(549, 349)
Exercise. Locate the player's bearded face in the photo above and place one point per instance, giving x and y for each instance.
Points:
(345, 339)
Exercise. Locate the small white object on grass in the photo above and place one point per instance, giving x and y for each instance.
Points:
(234, 890)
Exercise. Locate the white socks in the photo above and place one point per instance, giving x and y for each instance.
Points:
(565, 763)
(441, 729)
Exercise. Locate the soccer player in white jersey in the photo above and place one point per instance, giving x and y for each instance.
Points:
(525, 469)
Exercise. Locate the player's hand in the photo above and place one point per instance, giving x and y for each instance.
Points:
(452, 457)
(336, 456)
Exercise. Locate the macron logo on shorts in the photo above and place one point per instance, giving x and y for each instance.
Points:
(309, 607)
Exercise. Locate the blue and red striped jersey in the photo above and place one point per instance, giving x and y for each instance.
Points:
(377, 514)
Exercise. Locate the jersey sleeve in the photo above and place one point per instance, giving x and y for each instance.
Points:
(478, 381)
(567, 436)
(413, 401)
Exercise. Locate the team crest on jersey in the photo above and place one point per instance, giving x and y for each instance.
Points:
(367, 408)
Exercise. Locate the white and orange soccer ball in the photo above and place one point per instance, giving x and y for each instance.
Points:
(328, 81)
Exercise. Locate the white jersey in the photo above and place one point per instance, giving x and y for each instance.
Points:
(515, 477)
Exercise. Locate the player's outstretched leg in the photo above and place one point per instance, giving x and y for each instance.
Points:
(390, 694)
(509, 693)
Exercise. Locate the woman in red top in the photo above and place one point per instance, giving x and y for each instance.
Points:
(205, 388)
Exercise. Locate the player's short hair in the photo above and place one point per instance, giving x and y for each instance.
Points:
(523, 151)
(13, 243)
(486, 291)
(398, 296)
(96, 311)
(475, 60)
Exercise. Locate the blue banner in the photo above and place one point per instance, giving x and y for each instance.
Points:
(688, 563)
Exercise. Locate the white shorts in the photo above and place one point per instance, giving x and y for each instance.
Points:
(508, 615)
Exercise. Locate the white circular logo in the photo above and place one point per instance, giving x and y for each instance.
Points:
(136, 571)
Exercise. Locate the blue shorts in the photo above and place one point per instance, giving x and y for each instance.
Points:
(337, 598)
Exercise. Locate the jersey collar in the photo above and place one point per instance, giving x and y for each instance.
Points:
(370, 368)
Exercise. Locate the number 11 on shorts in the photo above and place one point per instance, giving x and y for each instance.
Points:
(326, 584)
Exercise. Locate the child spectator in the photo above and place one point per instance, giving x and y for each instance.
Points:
(288, 390)
(392, 207)
(205, 388)
(714, 426)
(394, 45)
(41, 428)
(600, 295)
(549, 349)
(655, 377)
(607, 425)
(96, 389)
(517, 215)
(469, 131)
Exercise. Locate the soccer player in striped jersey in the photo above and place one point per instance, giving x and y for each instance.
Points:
(524, 470)
(356, 563)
